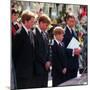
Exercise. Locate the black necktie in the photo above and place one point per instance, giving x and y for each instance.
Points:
(45, 39)
(73, 33)
(44, 35)
(61, 44)
(31, 36)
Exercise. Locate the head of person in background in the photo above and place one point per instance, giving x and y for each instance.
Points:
(40, 12)
(14, 15)
(44, 21)
(71, 21)
(15, 19)
(58, 33)
(28, 19)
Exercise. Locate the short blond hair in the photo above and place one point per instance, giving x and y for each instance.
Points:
(58, 30)
(27, 15)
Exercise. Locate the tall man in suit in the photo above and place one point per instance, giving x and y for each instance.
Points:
(72, 54)
(23, 53)
(42, 62)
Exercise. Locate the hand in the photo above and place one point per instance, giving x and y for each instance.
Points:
(77, 51)
(47, 65)
(64, 70)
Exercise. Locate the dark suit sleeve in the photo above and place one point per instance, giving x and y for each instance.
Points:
(40, 53)
(17, 46)
(55, 61)
(58, 58)
(69, 52)
(66, 41)
(63, 58)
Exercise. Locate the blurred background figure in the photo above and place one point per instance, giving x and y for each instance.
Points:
(14, 17)
(85, 55)
(40, 12)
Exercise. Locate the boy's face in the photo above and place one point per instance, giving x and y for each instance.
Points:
(43, 26)
(59, 37)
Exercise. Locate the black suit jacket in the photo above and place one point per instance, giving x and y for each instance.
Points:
(42, 53)
(71, 60)
(58, 58)
(23, 55)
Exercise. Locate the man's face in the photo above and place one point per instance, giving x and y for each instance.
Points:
(43, 26)
(30, 23)
(71, 22)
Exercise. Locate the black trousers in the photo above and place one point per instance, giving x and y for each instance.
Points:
(71, 73)
(25, 83)
(41, 81)
(58, 79)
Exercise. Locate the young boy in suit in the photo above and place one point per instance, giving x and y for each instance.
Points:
(58, 57)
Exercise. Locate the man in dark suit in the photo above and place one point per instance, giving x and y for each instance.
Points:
(23, 53)
(59, 63)
(72, 54)
(42, 62)
(14, 16)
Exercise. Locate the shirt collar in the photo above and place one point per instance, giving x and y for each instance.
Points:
(41, 30)
(58, 42)
(25, 28)
(70, 28)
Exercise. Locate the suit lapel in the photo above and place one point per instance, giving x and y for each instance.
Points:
(73, 34)
(68, 32)
(25, 36)
(38, 34)
(55, 43)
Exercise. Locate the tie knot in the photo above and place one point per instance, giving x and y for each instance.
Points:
(28, 32)
(42, 32)
(61, 44)
(44, 35)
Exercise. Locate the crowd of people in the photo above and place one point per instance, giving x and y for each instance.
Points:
(35, 49)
